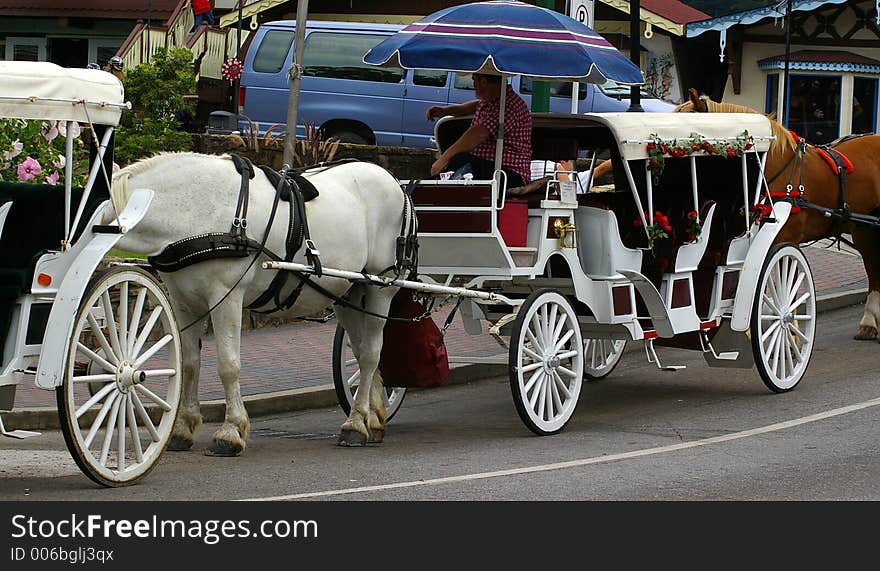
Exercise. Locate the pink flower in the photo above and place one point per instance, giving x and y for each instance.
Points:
(52, 132)
(17, 147)
(53, 178)
(74, 129)
(28, 169)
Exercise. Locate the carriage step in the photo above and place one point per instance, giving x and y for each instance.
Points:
(653, 358)
(17, 434)
(708, 348)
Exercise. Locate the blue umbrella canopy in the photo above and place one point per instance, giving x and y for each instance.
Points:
(506, 37)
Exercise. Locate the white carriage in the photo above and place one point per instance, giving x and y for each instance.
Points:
(106, 341)
(567, 278)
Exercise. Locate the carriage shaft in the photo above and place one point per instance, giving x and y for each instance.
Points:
(485, 296)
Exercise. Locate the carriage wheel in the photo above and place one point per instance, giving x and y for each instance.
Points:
(546, 362)
(783, 323)
(346, 377)
(117, 412)
(602, 356)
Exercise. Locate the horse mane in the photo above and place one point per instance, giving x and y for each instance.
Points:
(119, 189)
(783, 141)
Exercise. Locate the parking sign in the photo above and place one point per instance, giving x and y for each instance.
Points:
(583, 11)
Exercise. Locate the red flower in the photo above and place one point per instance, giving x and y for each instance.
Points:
(707, 145)
(695, 147)
(651, 147)
(731, 153)
(655, 165)
(637, 222)
(749, 146)
(667, 228)
(692, 215)
(691, 237)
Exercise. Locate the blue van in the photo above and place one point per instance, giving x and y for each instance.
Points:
(365, 104)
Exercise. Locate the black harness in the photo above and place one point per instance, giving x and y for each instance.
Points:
(840, 216)
(214, 245)
(296, 190)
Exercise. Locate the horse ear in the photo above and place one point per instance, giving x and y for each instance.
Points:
(694, 96)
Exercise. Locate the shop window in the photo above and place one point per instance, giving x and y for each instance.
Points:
(814, 107)
(772, 102)
(864, 105)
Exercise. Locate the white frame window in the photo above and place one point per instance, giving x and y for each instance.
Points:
(97, 43)
(13, 41)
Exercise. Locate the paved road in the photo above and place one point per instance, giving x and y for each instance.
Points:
(641, 434)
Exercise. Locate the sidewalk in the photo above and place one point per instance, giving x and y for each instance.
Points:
(290, 367)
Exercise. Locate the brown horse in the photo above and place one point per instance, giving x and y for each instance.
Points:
(822, 187)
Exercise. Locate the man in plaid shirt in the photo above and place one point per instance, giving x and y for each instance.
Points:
(477, 145)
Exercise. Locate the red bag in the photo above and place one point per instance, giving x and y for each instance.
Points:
(413, 353)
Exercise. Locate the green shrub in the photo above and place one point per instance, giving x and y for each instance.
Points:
(157, 93)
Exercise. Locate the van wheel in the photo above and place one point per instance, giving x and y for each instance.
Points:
(349, 137)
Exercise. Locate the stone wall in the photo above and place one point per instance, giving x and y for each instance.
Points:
(403, 162)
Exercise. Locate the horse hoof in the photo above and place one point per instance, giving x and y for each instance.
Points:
(224, 449)
(179, 444)
(377, 435)
(866, 333)
(351, 438)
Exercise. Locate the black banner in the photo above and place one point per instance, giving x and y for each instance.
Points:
(169, 535)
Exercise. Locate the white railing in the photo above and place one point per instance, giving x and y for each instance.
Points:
(212, 45)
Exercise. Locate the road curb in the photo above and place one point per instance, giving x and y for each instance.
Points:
(46, 418)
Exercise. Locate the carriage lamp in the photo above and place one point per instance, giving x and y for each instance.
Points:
(44, 280)
(566, 232)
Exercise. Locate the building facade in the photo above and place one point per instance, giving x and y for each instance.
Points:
(833, 66)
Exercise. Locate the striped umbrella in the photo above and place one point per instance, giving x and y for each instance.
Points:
(506, 37)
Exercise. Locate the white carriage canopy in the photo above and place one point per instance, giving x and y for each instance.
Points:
(42, 90)
(633, 131)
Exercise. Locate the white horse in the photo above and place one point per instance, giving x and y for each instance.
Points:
(354, 222)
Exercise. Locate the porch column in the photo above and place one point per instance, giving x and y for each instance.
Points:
(846, 101)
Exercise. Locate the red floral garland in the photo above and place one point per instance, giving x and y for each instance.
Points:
(658, 149)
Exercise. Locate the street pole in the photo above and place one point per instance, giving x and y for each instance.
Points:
(295, 76)
(786, 85)
(235, 87)
(635, 93)
(541, 89)
(149, 23)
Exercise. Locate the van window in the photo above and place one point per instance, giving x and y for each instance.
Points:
(557, 88)
(614, 89)
(273, 51)
(464, 81)
(429, 77)
(329, 54)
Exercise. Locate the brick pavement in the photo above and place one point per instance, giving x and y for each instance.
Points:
(299, 355)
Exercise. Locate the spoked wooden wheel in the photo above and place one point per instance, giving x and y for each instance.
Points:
(546, 362)
(347, 375)
(601, 357)
(121, 389)
(784, 318)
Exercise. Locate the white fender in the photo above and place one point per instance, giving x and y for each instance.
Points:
(754, 262)
(56, 342)
(4, 211)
